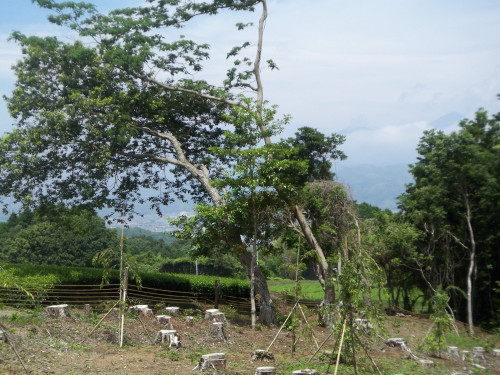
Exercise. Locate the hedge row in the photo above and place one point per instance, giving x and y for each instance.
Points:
(64, 275)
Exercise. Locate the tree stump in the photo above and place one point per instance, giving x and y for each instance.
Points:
(172, 311)
(217, 329)
(496, 353)
(87, 310)
(426, 363)
(214, 361)
(219, 318)
(265, 371)
(143, 310)
(189, 321)
(478, 353)
(209, 314)
(3, 336)
(306, 371)
(466, 355)
(58, 311)
(262, 355)
(395, 342)
(364, 326)
(453, 352)
(165, 320)
(169, 336)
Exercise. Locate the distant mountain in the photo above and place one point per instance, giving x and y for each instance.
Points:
(450, 119)
(376, 185)
(137, 232)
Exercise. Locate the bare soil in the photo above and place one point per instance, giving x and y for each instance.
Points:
(63, 346)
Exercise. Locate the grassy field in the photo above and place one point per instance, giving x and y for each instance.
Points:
(311, 290)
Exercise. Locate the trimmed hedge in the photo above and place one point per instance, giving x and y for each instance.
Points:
(64, 275)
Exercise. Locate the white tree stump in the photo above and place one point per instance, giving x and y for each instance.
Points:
(219, 318)
(165, 320)
(306, 371)
(364, 326)
(496, 353)
(265, 371)
(143, 310)
(262, 355)
(453, 351)
(466, 355)
(217, 329)
(478, 353)
(214, 361)
(189, 321)
(395, 342)
(172, 311)
(426, 363)
(58, 311)
(209, 314)
(3, 336)
(169, 336)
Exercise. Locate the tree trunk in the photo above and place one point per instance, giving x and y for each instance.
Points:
(267, 313)
(472, 260)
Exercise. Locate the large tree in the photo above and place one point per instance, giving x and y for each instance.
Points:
(455, 200)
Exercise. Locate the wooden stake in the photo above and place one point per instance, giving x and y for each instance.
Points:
(104, 317)
(122, 310)
(288, 317)
(340, 348)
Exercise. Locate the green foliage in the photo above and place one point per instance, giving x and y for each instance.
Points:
(55, 235)
(435, 341)
(367, 211)
(454, 200)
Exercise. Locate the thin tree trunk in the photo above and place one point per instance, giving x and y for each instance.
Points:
(471, 267)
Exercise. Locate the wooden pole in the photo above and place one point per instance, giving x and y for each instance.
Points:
(104, 317)
(340, 348)
(122, 309)
(286, 320)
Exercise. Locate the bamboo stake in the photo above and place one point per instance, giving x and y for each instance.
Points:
(14, 348)
(286, 320)
(312, 332)
(340, 348)
(323, 343)
(144, 327)
(104, 317)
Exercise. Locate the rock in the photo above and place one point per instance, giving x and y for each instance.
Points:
(58, 311)
(262, 355)
(168, 335)
(165, 320)
(265, 371)
(172, 311)
(479, 366)
(213, 361)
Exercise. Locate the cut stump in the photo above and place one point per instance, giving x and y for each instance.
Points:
(143, 310)
(3, 336)
(496, 353)
(214, 361)
(217, 329)
(306, 371)
(189, 321)
(426, 363)
(58, 311)
(478, 353)
(209, 314)
(172, 311)
(262, 355)
(165, 320)
(265, 371)
(169, 336)
(453, 351)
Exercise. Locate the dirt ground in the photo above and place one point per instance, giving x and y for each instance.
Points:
(63, 346)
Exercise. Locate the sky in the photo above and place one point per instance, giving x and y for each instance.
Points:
(378, 72)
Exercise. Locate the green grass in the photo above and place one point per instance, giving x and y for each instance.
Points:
(311, 290)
